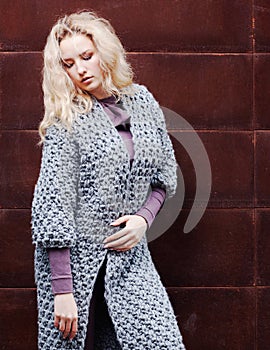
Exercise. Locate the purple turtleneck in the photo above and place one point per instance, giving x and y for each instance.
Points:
(61, 278)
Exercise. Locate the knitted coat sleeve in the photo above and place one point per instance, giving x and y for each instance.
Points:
(166, 175)
(55, 194)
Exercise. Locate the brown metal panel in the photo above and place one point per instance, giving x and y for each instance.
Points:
(20, 161)
(231, 160)
(16, 249)
(263, 333)
(262, 168)
(21, 105)
(18, 319)
(262, 88)
(209, 91)
(219, 251)
(262, 25)
(216, 318)
(172, 25)
(263, 246)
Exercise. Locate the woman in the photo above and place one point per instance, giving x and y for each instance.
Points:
(91, 208)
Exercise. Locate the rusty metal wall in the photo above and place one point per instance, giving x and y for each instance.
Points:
(208, 61)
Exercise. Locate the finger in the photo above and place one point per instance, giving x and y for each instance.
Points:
(126, 246)
(124, 249)
(67, 327)
(129, 244)
(132, 238)
(74, 328)
(118, 242)
(56, 320)
(120, 220)
(62, 324)
(116, 235)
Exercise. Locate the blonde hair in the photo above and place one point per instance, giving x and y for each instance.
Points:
(62, 99)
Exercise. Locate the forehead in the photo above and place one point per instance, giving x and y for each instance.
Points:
(73, 46)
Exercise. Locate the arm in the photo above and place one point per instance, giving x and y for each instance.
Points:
(61, 278)
(153, 205)
(166, 174)
(55, 194)
(53, 211)
(65, 308)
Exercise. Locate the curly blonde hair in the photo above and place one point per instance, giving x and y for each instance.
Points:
(62, 99)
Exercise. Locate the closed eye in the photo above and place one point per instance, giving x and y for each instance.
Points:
(67, 65)
(88, 57)
(84, 56)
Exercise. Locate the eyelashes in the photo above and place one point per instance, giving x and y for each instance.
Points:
(69, 65)
(86, 58)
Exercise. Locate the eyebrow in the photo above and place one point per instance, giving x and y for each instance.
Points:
(81, 54)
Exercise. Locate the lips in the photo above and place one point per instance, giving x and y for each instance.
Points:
(86, 79)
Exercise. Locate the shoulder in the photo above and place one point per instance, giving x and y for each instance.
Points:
(58, 134)
(141, 93)
(53, 130)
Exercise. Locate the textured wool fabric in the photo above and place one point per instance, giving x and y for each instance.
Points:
(73, 207)
(60, 257)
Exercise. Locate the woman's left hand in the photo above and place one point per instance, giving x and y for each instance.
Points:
(129, 236)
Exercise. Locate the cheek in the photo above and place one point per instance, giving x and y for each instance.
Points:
(71, 74)
(96, 67)
(101, 72)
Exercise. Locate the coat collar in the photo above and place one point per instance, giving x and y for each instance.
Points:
(135, 130)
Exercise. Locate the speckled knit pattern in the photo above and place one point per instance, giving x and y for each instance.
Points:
(73, 206)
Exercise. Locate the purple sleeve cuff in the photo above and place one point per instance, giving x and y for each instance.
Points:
(61, 277)
(62, 286)
(152, 205)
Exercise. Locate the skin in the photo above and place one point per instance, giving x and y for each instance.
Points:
(81, 60)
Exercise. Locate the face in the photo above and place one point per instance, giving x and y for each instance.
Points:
(82, 64)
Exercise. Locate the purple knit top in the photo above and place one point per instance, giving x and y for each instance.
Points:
(61, 278)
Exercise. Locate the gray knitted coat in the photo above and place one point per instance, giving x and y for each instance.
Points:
(85, 182)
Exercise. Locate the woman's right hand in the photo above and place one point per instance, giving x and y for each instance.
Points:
(66, 314)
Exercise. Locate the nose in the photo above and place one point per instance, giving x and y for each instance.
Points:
(81, 68)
